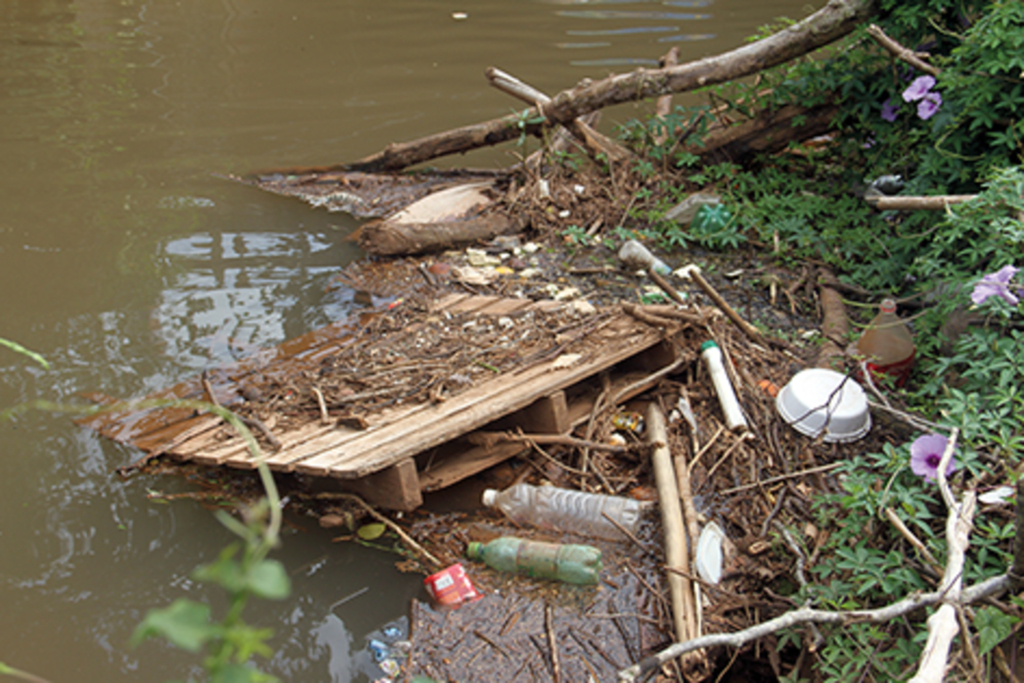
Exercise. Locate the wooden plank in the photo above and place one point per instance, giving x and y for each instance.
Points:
(473, 460)
(506, 306)
(184, 435)
(467, 411)
(473, 303)
(289, 357)
(547, 415)
(394, 488)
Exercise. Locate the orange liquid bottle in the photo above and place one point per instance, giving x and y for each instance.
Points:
(887, 345)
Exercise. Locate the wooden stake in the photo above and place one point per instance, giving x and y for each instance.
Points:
(693, 272)
(684, 609)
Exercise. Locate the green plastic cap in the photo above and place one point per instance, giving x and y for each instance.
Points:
(709, 344)
(473, 550)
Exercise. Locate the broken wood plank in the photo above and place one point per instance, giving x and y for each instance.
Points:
(473, 460)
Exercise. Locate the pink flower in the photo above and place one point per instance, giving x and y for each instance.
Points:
(925, 455)
(919, 88)
(889, 111)
(996, 284)
(928, 105)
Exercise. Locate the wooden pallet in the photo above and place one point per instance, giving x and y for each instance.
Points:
(407, 449)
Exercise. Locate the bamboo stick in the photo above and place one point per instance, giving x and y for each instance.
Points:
(684, 608)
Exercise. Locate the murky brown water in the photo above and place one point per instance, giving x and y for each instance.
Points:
(129, 265)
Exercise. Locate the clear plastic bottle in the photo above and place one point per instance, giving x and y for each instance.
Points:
(887, 344)
(550, 507)
(562, 562)
(636, 255)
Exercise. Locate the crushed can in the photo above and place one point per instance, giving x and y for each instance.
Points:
(450, 587)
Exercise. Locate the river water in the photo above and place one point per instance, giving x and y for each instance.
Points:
(129, 265)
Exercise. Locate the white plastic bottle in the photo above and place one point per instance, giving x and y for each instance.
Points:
(550, 507)
(731, 408)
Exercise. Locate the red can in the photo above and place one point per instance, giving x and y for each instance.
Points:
(451, 587)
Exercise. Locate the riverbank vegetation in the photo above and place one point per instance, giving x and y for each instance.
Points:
(947, 122)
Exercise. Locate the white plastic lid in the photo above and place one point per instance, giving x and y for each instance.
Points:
(489, 497)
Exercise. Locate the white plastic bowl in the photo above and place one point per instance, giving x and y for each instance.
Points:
(819, 402)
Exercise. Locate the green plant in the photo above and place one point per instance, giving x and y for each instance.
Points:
(243, 571)
(6, 670)
(18, 348)
(523, 122)
(576, 235)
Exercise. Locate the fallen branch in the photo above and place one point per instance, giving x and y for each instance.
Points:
(942, 624)
(684, 607)
(835, 20)
(693, 273)
(939, 203)
(663, 107)
(595, 142)
(899, 52)
(492, 438)
(420, 550)
(806, 615)
(835, 326)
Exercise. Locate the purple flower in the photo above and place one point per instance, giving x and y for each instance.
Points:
(889, 111)
(925, 455)
(928, 105)
(919, 88)
(996, 284)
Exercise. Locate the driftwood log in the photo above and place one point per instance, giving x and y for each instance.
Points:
(835, 20)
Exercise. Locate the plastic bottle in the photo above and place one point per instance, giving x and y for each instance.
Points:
(550, 507)
(887, 344)
(731, 408)
(636, 255)
(563, 562)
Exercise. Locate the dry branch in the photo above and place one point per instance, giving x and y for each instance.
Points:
(939, 203)
(912, 58)
(595, 142)
(942, 625)
(684, 607)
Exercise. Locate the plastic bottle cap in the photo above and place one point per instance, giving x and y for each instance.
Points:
(489, 497)
(473, 550)
(709, 344)
(887, 306)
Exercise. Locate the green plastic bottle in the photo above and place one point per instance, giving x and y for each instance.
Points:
(563, 562)
(711, 218)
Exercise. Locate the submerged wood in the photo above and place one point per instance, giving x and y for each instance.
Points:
(464, 213)
(768, 132)
(363, 195)
(835, 20)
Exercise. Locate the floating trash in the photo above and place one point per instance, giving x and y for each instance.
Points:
(709, 553)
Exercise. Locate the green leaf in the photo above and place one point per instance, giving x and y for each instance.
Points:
(369, 532)
(269, 580)
(994, 626)
(185, 624)
(14, 346)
